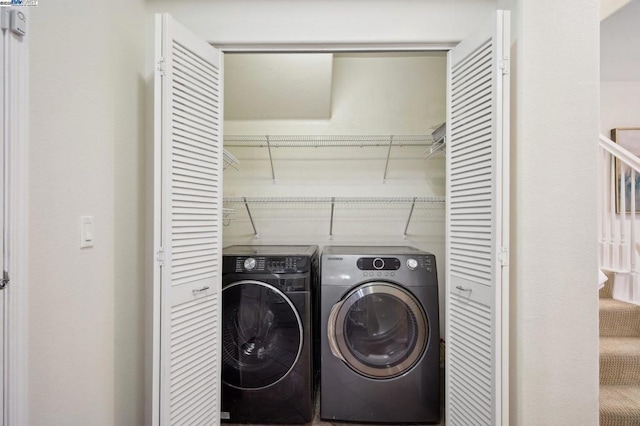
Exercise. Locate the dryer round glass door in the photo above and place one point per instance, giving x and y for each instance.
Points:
(379, 329)
(262, 335)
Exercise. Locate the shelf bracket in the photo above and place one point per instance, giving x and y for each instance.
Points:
(333, 203)
(253, 225)
(406, 228)
(273, 173)
(386, 166)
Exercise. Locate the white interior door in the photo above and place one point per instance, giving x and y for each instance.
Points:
(188, 224)
(477, 227)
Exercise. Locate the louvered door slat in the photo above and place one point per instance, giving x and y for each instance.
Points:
(464, 105)
(477, 229)
(482, 134)
(193, 109)
(189, 87)
(194, 102)
(189, 158)
(467, 76)
(481, 103)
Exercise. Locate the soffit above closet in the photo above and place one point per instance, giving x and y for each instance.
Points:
(277, 86)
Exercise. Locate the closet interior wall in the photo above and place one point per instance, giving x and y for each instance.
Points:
(381, 94)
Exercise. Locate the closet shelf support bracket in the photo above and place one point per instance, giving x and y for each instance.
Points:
(386, 166)
(273, 173)
(406, 228)
(253, 225)
(333, 203)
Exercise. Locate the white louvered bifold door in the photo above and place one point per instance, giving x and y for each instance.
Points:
(477, 228)
(188, 244)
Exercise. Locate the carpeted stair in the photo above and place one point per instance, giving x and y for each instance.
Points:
(619, 360)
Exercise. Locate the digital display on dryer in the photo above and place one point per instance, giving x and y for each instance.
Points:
(378, 263)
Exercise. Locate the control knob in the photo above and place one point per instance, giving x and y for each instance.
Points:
(249, 263)
(412, 264)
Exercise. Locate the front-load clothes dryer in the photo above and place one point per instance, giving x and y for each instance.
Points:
(267, 311)
(379, 335)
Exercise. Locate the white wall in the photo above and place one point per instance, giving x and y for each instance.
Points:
(85, 306)
(619, 105)
(353, 21)
(620, 69)
(554, 311)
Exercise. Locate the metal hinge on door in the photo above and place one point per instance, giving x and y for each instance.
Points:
(5, 280)
(503, 256)
(504, 66)
(160, 257)
(160, 67)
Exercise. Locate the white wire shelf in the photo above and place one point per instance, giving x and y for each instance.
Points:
(347, 208)
(230, 160)
(325, 141)
(436, 150)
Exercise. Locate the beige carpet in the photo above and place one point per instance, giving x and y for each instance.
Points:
(619, 360)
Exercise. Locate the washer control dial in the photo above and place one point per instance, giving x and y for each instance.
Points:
(249, 263)
(378, 263)
(412, 264)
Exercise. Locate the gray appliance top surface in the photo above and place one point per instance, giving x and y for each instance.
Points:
(269, 250)
(371, 250)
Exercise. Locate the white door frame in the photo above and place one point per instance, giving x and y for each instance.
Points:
(503, 402)
(341, 47)
(14, 123)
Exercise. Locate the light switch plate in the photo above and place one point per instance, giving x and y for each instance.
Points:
(86, 231)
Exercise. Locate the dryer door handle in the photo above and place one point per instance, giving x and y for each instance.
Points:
(331, 331)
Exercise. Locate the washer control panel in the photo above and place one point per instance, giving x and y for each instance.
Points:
(271, 264)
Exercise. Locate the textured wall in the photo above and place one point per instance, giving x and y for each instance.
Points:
(554, 206)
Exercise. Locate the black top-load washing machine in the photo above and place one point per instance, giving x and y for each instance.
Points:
(267, 349)
(379, 335)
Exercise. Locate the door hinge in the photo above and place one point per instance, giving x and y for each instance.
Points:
(503, 256)
(160, 257)
(5, 280)
(504, 66)
(160, 66)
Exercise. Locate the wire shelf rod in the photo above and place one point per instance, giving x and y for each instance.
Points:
(328, 141)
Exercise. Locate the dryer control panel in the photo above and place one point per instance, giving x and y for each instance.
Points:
(393, 263)
(378, 263)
